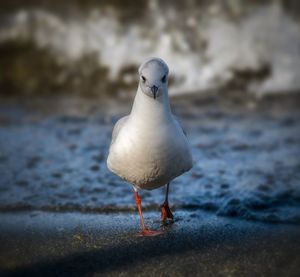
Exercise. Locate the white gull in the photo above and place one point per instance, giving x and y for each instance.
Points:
(149, 148)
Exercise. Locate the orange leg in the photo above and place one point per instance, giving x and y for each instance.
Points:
(166, 213)
(144, 230)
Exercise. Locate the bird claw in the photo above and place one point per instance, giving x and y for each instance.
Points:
(149, 233)
(166, 214)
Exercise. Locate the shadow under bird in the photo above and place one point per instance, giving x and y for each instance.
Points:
(149, 148)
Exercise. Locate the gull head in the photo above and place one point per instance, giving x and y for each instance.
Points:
(154, 77)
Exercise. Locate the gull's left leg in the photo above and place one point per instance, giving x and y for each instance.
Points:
(166, 213)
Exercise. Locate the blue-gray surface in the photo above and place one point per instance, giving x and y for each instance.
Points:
(53, 153)
(201, 244)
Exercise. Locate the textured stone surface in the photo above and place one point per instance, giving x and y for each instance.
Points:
(76, 244)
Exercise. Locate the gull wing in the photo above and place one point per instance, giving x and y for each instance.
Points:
(179, 125)
(118, 126)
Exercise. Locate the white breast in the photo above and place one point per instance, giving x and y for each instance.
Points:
(150, 157)
(150, 148)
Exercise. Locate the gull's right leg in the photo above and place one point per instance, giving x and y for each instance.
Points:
(144, 230)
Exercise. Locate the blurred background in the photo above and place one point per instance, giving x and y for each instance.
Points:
(94, 47)
(68, 71)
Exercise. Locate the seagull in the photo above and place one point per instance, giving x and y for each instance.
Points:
(149, 147)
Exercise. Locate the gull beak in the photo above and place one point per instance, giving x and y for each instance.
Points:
(154, 91)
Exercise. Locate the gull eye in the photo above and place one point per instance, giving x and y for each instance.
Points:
(164, 79)
(144, 79)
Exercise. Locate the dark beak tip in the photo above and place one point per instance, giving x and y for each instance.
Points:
(154, 90)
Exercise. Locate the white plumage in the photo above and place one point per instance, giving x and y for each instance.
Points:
(149, 147)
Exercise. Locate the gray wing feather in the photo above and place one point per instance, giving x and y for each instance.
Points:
(118, 126)
(179, 125)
